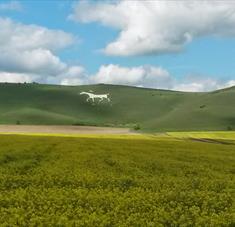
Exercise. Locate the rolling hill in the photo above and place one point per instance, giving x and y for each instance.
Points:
(151, 109)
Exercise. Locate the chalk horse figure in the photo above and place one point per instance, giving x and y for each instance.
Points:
(92, 96)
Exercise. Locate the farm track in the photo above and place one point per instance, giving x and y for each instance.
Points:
(213, 141)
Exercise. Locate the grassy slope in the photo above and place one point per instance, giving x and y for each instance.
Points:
(153, 110)
(59, 181)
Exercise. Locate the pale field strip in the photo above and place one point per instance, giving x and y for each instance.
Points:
(71, 131)
(204, 135)
(108, 132)
(97, 136)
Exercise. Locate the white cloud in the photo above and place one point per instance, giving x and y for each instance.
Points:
(155, 27)
(31, 49)
(75, 75)
(199, 84)
(229, 83)
(15, 77)
(38, 61)
(21, 37)
(12, 6)
(142, 76)
(146, 76)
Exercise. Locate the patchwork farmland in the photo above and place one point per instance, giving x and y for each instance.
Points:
(170, 162)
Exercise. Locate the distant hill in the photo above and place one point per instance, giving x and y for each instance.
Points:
(149, 109)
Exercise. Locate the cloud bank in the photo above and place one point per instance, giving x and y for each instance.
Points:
(29, 52)
(141, 76)
(146, 76)
(157, 27)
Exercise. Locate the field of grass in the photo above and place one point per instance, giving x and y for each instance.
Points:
(150, 110)
(115, 181)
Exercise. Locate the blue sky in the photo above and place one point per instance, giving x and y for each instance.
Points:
(207, 58)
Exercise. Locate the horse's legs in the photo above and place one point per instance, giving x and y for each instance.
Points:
(101, 99)
(88, 99)
(108, 99)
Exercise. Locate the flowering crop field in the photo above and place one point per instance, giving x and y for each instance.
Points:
(129, 181)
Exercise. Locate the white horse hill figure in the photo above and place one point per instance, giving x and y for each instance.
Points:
(92, 96)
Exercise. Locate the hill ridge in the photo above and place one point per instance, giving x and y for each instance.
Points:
(149, 109)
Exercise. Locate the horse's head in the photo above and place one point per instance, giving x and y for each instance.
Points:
(82, 93)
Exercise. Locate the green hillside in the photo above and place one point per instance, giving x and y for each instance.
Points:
(152, 110)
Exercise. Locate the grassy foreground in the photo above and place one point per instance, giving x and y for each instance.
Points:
(136, 181)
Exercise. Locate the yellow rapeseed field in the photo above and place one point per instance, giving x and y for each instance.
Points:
(98, 180)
